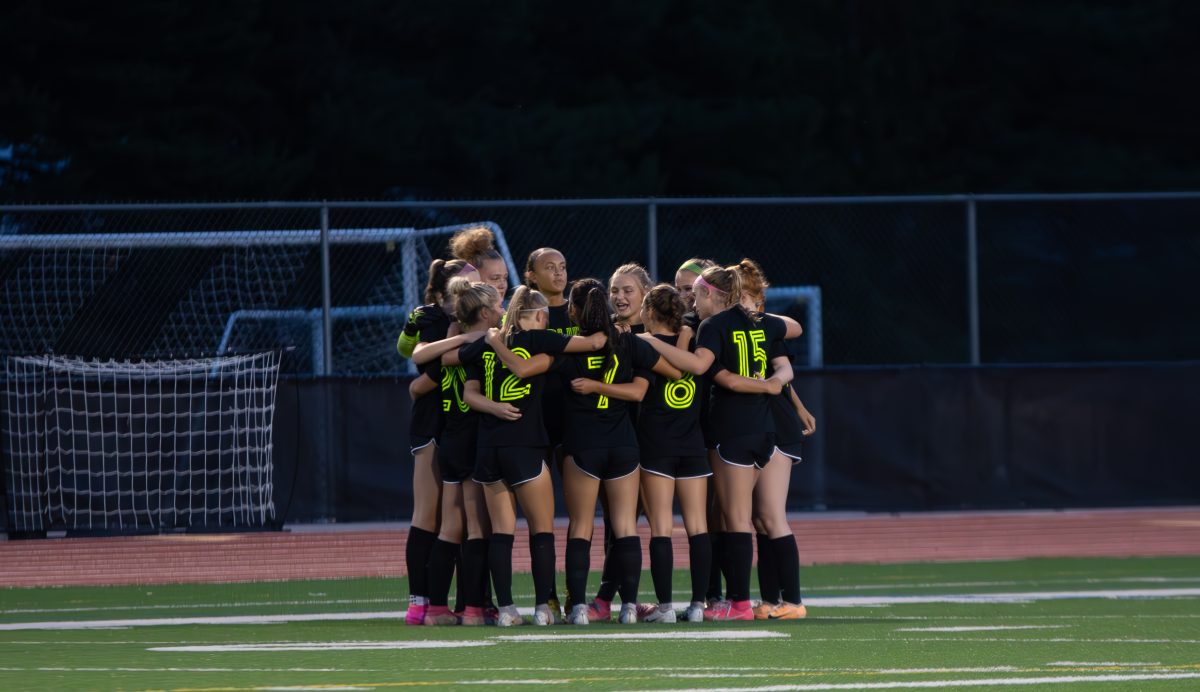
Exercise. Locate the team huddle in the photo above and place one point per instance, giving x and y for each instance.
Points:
(638, 395)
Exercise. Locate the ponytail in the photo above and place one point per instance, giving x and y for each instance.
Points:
(523, 299)
(664, 302)
(440, 273)
(590, 305)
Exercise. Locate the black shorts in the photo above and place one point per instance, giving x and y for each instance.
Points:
(456, 457)
(418, 442)
(427, 420)
(750, 450)
(607, 464)
(793, 450)
(678, 467)
(513, 465)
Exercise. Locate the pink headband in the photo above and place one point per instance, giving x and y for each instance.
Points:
(468, 267)
(701, 282)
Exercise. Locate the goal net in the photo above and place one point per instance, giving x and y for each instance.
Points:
(140, 446)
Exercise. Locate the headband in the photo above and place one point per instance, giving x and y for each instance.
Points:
(693, 268)
(467, 267)
(701, 282)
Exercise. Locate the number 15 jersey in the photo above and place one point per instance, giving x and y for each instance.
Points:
(740, 345)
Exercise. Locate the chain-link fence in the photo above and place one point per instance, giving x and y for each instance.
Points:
(902, 280)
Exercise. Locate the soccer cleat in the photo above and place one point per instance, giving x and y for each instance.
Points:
(659, 613)
(694, 612)
(788, 611)
(600, 610)
(416, 611)
(509, 617)
(556, 609)
(644, 610)
(730, 610)
(762, 609)
(491, 614)
(439, 615)
(473, 617)
(579, 614)
(629, 614)
(543, 614)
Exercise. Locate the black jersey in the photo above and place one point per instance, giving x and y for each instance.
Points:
(498, 384)
(595, 421)
(741, 344)
(789, 429)
(460, 419)
(560, 321)
(668, 422)
(432, 323)
(691, 319)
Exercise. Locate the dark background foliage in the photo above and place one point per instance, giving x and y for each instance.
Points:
(161, 99)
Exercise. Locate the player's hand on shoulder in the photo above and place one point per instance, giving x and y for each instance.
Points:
(493, 336)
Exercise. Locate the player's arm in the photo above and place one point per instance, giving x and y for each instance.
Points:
(586, 344)
(783, 369)
(664, 368)
(685, 336)
(696, 363)
(521, 367)
(478, 402)
(627, 391)
(809, 421)
(421, 386)
(793, 331)
(746, 385)
(426, 352)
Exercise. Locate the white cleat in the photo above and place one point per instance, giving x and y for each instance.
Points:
(509, 617)
(579, 614)
(629, 614)
(544, 615)
(694, 612)
(663, 613)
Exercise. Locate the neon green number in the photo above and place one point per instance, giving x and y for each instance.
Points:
(597, 362)
(512, 389)
(680, 393)
(749, 346)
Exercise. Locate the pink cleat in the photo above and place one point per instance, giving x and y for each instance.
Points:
(729, 610)
(599, 610)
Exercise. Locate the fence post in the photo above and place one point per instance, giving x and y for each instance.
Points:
(973, 280)
(652, 239)
(326, 298)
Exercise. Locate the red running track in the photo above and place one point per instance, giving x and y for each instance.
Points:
(334, 551)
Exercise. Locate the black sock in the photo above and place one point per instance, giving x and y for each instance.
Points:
(662, 562)
(739, 553)
(500, 549)
(416, 560)
(474, 571)
(768, 575)
(700, 555)
(460, 593)
(629, 556)
(579, 561)
(787, 563)
(610, 577)
(541, 556)
(441, 570)
(714, 570)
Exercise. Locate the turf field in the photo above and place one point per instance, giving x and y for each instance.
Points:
(1078, 624)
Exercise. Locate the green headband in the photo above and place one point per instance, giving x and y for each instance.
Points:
(692, 267)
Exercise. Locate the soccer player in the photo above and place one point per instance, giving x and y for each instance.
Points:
(685, 276)
(477, 245)
(427, 323)
(477, 308)
(627, 289)
(778, 557)
(733, 341)
(600, 446)
(673, 463)
(504, 384)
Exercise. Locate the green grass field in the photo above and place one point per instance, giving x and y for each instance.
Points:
(1128, 624)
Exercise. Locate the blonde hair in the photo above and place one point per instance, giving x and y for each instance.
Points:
(637, 271)
(523, 300)
(727, 281)
(471, 299)
(440, 274)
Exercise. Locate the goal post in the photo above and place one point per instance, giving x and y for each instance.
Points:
(140, 446)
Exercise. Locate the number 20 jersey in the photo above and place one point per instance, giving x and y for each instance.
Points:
(740, 345)
(499, 384)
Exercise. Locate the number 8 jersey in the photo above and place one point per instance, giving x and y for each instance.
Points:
(499, 384)
(740, 345)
